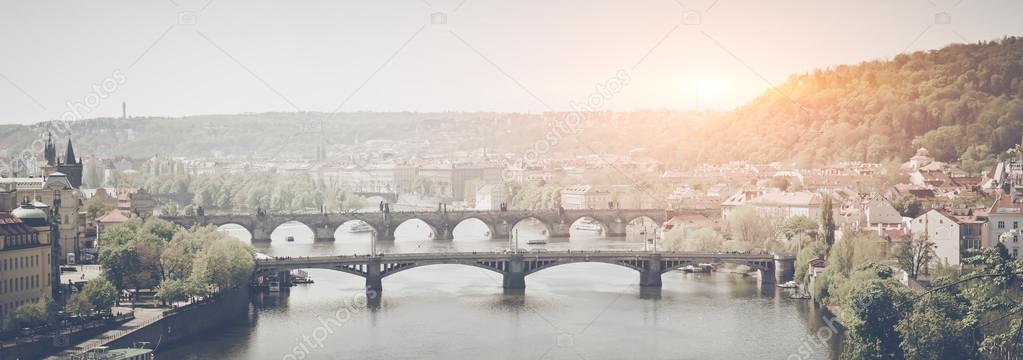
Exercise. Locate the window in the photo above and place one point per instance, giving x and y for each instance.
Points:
(1015, 252)
(1015, 224)
(1001, 224)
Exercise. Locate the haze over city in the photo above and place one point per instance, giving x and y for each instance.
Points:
(469, 179)
(190, 57)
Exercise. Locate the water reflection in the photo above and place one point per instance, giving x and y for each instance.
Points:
(583, 310)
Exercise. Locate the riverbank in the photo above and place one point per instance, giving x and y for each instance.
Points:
(161, 327)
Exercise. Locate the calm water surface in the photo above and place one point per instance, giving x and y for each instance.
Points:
(576, 311)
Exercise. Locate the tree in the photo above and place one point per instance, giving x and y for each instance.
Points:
(171, 291)
(941, 326)
(120, 263)
(79, 304)
(223, 263)
(95, 207)
(812, 250)
(746, 225)
(36, 313)
(827, 221)
(915, 256)
(101, 294)
(908, 206)
(799, 225)
(876, 307)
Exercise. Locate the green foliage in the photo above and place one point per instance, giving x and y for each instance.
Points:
(810, 251)
(223, 263)
(947, 100)
(100, 293)
(907, 205)
(174, 290)
(94, 208)
(941, 326)
(876, 307)
(747, 226)
(79, 304)
(683, 238)
(800, 225)
(130, 252)
(827, 220)
(534, 195)
(36, 313)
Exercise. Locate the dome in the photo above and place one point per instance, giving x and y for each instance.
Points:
(922, 152)
(31, 215)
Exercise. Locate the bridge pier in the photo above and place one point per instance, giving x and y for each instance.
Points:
(260, 236)
(615, 228)
(784, 268)
(515, 276)
(502, 231)
(445, 232)
(560, 230)
(651, 276)
(374, 281)
(324, 233)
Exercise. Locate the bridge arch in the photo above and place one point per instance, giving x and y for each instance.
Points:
(357, 224)
(546, 230)
(588, 225)
(299, 233)
(228, 227)
(631, 219)
(432, 228)
(491, 232)
(391, 269)
(637, 265)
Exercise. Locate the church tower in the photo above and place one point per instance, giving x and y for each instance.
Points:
(71, 166)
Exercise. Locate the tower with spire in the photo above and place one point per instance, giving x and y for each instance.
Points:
(70, 166)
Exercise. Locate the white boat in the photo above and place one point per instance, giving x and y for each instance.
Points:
(699, 268)
(536, 242)
(274, 285)
(300, 277)
(787, 285)
(360, 227)
(589, 225)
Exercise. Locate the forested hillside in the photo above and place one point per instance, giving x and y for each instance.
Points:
(961, 102)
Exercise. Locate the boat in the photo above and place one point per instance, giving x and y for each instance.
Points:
(360, 227)
(536, 242)
(799, 296)
(787, 285)
(300, 277)
(699, 268)
(290, 238)
(274, 286)
(589, 225)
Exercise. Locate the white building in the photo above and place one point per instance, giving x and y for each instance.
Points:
(951, 233)
(490, 197)
(1006, 216)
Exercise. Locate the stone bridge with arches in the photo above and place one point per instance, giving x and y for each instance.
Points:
(556, 223)
(514, 267)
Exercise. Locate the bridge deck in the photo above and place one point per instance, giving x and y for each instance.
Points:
(293, 262)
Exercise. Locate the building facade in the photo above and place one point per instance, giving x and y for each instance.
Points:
(25, 258)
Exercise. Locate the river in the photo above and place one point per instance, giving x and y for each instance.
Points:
(575, 311)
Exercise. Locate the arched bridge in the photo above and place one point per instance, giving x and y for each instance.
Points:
(499, 223)
(514, 267)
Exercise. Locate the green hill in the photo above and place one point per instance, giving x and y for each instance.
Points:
(961, 102)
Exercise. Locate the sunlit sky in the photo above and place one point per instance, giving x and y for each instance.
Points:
(187, 57)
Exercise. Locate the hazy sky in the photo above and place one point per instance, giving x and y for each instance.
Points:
(185, 57)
